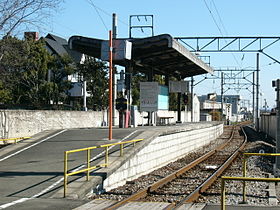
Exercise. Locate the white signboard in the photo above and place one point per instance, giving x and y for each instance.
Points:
(178, 86)
(149, 96)
(122, 50)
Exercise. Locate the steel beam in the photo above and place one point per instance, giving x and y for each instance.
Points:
(232, 44)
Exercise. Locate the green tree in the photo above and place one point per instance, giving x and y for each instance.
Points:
(61, 67)
(33, 73)
(95, 73)
(12, 59)
(24, 73)
(5, 94)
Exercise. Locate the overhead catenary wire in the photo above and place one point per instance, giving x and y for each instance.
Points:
(220, 19)
(217, 25)
(213, 18)
(97, 9)
(223, 26)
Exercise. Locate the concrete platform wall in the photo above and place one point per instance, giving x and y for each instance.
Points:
(161, 151)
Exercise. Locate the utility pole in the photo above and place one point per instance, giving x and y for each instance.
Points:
(265, 105)
(110, 85)
(222, 94)
(257, 93)
(114, 93)
(277, 85)
(114, 26)
(192, 106)
(85, 94)
(253, 110)
(179, 108)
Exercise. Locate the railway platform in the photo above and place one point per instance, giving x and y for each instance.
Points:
(36, 165)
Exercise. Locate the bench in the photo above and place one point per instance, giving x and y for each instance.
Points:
(164, 117)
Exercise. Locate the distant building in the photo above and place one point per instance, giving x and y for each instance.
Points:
(234, 100)
(231, 106)
(59, 46)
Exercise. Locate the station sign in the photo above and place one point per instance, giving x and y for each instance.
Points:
(122, 50)
(178, 86)
(149, 96)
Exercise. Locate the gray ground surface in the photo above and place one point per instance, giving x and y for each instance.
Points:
(28, 173)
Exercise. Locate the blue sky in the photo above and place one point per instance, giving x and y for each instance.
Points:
(184, 18)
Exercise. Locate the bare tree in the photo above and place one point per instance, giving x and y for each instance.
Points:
(16, 14)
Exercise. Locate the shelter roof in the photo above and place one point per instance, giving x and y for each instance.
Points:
(161, 54)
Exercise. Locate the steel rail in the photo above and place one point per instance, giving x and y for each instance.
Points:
(208, 182)
(143, 193)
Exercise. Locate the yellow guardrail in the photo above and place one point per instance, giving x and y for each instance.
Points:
(15, 139)
(244, 166)
(244, 179)
(88, 166)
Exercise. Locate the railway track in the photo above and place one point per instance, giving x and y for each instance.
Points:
(187, 183)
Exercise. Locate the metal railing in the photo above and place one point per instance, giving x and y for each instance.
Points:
(88, 159)
(15, 139)
(244, 179)
(244, 167)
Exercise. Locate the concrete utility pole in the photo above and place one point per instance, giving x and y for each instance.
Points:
(110, 86)
(85, 94)
(257, 93)
(114, 36)
(114, 26)
(179, 108)
(265, 105)
(253, 110)
(222, 95)
(192, 105)
(277, 85)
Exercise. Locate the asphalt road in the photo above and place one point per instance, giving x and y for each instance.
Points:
(34, 169)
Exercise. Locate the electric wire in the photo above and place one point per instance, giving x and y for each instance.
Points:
(213, 18)
(220, 19)
(97, 9)
(223, 26)
(103, 22)
(217, 25)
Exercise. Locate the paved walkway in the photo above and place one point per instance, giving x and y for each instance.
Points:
(34, 167)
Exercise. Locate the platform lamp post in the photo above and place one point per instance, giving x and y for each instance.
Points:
(277, 85)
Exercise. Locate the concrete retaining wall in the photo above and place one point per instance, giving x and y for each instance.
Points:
(17, 123)
(268, 125)
(161, 151)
